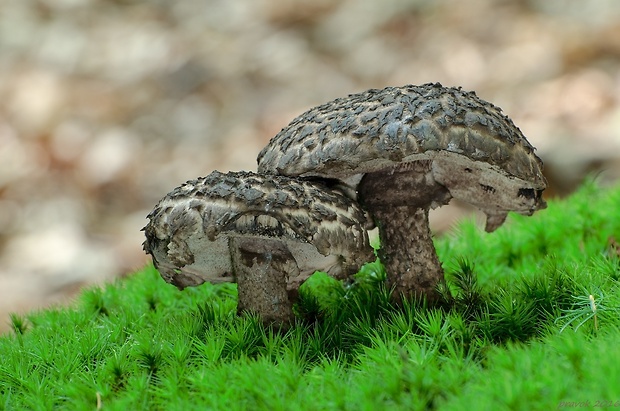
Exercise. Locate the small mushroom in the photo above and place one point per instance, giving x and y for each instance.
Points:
(401, 151)
(269, 234)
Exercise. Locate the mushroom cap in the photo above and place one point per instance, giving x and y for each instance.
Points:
(189, 229)
(475, 149)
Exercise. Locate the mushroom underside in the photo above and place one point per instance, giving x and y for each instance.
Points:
(487, 187)
(210, 261)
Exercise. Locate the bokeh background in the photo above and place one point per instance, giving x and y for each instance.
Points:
(106, 105)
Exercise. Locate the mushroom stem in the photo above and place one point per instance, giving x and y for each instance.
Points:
(399, 200)
(262, 268)
(407, 252)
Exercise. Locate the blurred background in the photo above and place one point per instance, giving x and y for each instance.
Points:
(107, 105)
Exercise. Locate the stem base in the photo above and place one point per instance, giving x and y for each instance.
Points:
(261, 269)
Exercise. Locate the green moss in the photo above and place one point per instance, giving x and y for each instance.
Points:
(530, 319)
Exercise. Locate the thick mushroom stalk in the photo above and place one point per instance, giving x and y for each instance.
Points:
(267, 233)
(407, 249)
(262, 269)
(404, 150)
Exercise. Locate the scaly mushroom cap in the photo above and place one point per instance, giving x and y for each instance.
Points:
(189, 229)
(477, 152)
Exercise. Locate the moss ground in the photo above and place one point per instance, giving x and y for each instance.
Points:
(530, 319)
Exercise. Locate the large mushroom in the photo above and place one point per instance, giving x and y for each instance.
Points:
(401, 151)
(268, 234)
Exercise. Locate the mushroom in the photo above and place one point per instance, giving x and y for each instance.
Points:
(269, 234)
(401, 151)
